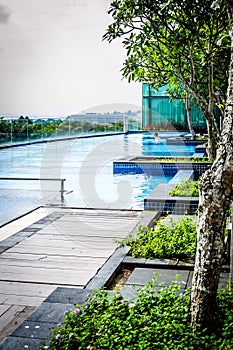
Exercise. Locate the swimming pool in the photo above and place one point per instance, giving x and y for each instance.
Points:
(150, 147)
(86, 164)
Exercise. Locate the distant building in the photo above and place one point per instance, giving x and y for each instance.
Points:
(159, 111)
(133, 118)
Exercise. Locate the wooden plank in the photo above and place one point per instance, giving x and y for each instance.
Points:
(53, 239)
(43, 271)
(78, 281)
(67, 243)
(69, 251)
(19, 299)
(113, 224)
(12, 312)
(74, 260)
(86, 233)
(67, 237)
(100, 217)
(12, 318)
(25, 300)
(74, 265)
(96, 233)
(64, 221)
(20, 289)
(86, 226)
(11, 255)
(50, 276)
(3, 309)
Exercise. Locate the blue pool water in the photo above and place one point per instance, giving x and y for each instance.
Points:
(86, 164)
(150, 147)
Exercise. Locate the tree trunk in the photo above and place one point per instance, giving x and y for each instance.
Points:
(188, 116)
(215, 199)
(211, 147)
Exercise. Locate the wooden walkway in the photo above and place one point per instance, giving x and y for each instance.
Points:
(66, 248)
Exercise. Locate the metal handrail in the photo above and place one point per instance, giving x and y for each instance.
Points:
(39, 179)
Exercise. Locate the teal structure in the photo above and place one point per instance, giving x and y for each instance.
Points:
(159, 111)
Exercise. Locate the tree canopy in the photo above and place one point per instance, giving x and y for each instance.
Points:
(180, 43)
(189, 44)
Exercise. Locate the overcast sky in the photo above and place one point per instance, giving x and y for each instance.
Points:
(53, 60)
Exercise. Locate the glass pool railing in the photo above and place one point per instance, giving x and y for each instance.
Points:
(25, 129)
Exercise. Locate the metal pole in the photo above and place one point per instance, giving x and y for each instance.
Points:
(11, 131)
(62, 189)
(126, 124)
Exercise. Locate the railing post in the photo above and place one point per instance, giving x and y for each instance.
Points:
(38, 179)
(126, 124)
(62, 189)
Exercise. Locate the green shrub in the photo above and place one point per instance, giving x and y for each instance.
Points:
(166, 240)
(187, 188)
(149, 321)
(178, 159)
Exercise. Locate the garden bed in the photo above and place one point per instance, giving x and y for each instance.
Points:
(138, 305)
(169, 245)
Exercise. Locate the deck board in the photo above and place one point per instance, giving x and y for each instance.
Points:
(68, 252)
(14, 316)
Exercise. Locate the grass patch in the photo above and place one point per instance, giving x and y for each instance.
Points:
(187, 188)
(148, 321)
(166, 240)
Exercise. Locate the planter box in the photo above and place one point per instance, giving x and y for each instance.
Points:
(160, 200)
(153, 166)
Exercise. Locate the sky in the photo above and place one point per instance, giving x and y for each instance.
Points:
(53, 60)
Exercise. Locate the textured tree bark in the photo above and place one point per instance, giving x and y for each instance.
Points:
(188, 115)
(215, 199)
(211, 147)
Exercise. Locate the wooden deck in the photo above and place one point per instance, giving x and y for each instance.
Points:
(65, 249)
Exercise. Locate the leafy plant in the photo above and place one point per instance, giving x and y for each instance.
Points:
(157, 318)
(174, 159)
(166, 240)
(187, 188)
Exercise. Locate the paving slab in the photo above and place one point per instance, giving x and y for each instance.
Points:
(68, 295)
(37, 330)
(50, 312)
(140, 276)
(20, 343)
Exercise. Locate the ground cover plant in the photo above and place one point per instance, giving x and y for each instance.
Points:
(148, 321)
(167, 240)
(187, 188)
(172, 159)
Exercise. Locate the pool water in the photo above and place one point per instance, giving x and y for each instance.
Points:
(150, 147)
(87, 166)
